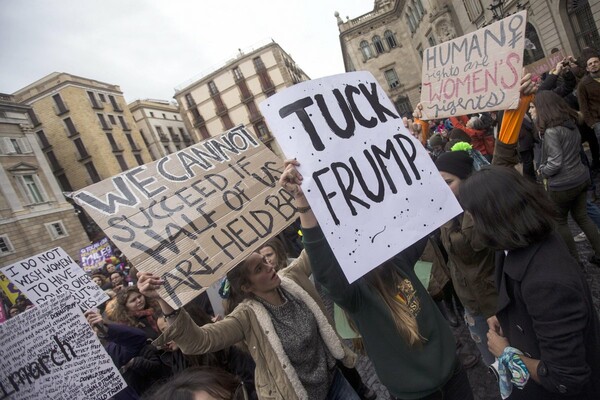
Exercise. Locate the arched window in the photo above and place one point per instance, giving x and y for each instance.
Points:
(366, 50)
(412, 24)
(378, 44)
(582, 23)
(419, 7)
(533, 46)
(390, 39)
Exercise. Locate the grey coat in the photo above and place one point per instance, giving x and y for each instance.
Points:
(561, 160)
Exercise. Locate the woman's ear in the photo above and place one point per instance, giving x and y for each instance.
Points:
(246, 288)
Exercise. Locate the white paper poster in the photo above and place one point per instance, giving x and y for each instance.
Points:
(480, 71)
(50, 352)
(371, 184)
(53, 272)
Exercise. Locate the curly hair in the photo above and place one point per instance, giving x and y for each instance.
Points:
(118, 311)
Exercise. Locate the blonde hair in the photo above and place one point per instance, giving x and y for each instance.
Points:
(385, 280)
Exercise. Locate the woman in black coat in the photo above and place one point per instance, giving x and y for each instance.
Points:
(545, 309)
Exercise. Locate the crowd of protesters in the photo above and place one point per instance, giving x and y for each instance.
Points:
(508, 266)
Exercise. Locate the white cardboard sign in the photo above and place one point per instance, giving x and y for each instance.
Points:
(477, 72)
(53, 272)
(371, 184)
(50, 352)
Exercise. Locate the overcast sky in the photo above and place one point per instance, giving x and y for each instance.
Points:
(149, 47)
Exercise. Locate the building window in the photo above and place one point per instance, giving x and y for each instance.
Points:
(123, 123)
(419, 7)
(54, 164)
(32, 188)
(151, 114)
(61, 107)
(132, 143)
(190, 100)
(474, 9)
(112, 119)
(91, 169)
(258, 64)
(102, 97)
(139, 159)
(412, 24)
(262, 132)
(103, 123)
(204, 132)
(14, 146)
(392, 78)
(164, 116)
(212, 88)
(34, 119)
(431, 40)
(366, 50)
(390, 39)
(582, 23)
(56, 230)
(83, 153)
(533, 47)
(71, 130)
(111, 140)
(227, 121)
(64, 183)
(6, 246)
(237, 74)
(167, 149)
(43, 139)
(93, 100)
(159, 130)
(175, 117)
(420, 50)
(378, 44)
(114, 103)
(121, 162)
(403, 105)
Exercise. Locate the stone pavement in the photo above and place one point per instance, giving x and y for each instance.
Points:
(484, 384)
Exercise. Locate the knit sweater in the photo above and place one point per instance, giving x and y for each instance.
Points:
(408, 372)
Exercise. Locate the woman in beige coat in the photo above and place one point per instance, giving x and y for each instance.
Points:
(281, 320)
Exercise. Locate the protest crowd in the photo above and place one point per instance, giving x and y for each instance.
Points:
(507, 268)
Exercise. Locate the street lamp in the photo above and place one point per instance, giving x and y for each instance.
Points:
(498, 11)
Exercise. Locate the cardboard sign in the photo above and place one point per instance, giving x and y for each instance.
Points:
(545, 65)
(53, 272)
(50, 352)
(91, 256)
(371, 184)
(193, 215)
(477, 72)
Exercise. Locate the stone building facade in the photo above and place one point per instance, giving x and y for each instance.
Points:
(161, 126)
(84, 128)
(230, 95)
(389, 40)
(34, 215)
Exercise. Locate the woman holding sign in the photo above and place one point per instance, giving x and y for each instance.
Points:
(280, 319)
(407, 338)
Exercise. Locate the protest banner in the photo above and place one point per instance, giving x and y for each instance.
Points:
(193, 215)
(53, 272)
(3, 316)
(9, 288)
(477, 72)
(50, 352)
(545, 65)
(371, 184)
(91, 256)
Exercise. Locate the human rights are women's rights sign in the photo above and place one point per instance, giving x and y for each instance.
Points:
(371, 184)
(193, 215)
(477, 72)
